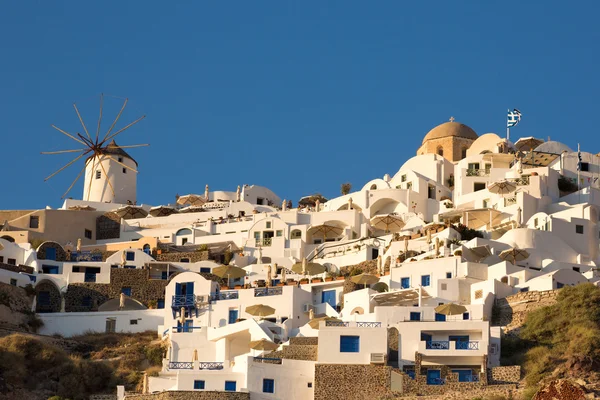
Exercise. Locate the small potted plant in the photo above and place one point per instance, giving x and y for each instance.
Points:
(316, 280)
(238, 286)
(329, 277)
(303, 281)
(281, 284)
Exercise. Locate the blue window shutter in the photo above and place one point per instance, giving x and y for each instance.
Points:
(466, 315)
(199, 385)
(233, 316)
(268, 386)
(349, 344)
(205, 270)
(405, 283)
(130, 256)
(415, 316)
(50, 253)
(178, 289)
(230, 386)
(440, 317)
(161, 303)
(190, 288)
(425, 280)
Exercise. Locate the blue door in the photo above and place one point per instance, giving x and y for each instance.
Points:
(50, 253)
(178, 289)
(328, 296)
(233, 316)
(462, 342)
(434, 377)
(464, 375)
(405, 283)
(440, 317)
(188, 326)
(230, 386)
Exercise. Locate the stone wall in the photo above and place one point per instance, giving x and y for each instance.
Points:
(304, 340)
(55, 297)
(190, 395)
(193, 256)
(296, 352)
(17, 268)
(351, 382)
(15, 306)
(143, 289)
(512, 311)
(502, 375)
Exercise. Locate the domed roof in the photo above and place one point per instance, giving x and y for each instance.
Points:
(553, 147)
(450, 128)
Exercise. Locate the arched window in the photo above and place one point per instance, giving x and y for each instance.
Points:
(373, 187)
(146, 248)
(296, 234)
(440, 151)
(504, 279)
(183, 232)
(8, 238)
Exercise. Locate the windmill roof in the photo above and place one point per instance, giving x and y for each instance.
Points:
(113, 149)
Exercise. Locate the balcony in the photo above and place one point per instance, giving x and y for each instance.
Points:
(453, 348)
(264, 242)
(210, 365)
(478, 172)
(183, 300)
(181, 365)
(224, 295)
(261, 292)
(343, 324)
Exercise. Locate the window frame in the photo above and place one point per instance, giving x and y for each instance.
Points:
(199, 382)
(268, 385)
(34, 222)
(349, 344)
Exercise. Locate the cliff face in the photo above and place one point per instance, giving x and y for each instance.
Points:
(15, 309)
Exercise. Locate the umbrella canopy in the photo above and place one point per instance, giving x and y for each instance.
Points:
(528, 143)
(131, 212)
(311, 268)
(123, 303)
(513, 255)
(364, 279)
(477, 254)
(314, 323)
(229, 271)
(451, 309)
(263, 344)
(477, 218)
(162, 211)
(502, 187)
(260, 310)
(388, 223)
(191, 209)
(191, 200)
(326, 230)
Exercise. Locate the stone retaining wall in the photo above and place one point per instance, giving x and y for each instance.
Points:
(193, 256)
(296, 352)
(512, 311)
(304, 340)
(351, 382)
(189, 395)
(503, 375)
(143, 289)
(55, 298)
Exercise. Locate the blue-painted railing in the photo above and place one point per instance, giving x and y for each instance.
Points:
(183, 300)
(210, 365)
(86, 256)
(268, 360)
(337, 323)
(181, 365)
(464, 345)
(437, 345)
(224, 295)
(368, 324)
(274, 291)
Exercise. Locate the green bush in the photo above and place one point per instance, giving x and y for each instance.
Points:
(203, 247)
(227, 256)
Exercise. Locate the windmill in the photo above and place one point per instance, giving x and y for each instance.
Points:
(99, 150)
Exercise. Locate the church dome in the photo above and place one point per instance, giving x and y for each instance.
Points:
(450, 129)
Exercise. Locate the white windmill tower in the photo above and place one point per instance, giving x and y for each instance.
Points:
(110, 172)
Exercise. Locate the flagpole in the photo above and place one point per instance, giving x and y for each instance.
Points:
(507, 133)
(578, 167)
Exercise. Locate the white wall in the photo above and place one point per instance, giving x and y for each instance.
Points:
(123, 183)
(77, 323)
(372, 340)
(291, 379)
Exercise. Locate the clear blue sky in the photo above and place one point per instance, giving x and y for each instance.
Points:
(299, 97)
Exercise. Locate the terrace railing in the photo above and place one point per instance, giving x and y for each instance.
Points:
(183, 300)
(181, 365)
(210, 365)
(337, 323)
(224, 295)
(274, 291)
(464, 345)
(86, 256)
(437, 345)
(368, 324)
